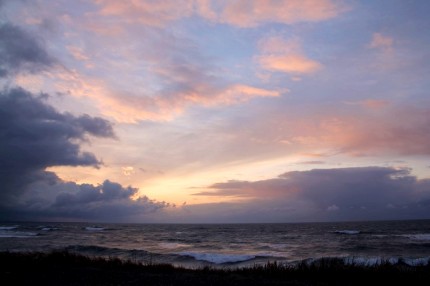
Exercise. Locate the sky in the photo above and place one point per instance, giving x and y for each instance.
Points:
(204, 111)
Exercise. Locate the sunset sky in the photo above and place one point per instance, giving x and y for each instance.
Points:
(214, 111)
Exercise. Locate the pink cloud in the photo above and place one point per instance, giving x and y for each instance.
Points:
(153, 13)
(289, 64)
(248, 13)
(380, 41)
(371, 103)
(380, 133)
(279, 55)
(126, 107)
(242, 13)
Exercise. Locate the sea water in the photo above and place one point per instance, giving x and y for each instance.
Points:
(228, 245)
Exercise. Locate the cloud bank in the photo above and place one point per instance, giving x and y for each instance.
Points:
(366, 193)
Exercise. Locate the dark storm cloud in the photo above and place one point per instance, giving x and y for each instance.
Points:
(108, 201)
(333, 194)
(20, 51)
(34, 136)
(59, 200)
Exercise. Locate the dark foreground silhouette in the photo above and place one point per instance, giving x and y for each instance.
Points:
(64, 268)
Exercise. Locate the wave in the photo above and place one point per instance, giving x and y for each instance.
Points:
(418, 236)
(8, 227)
(346, 231)
(47, 228)
(17, 234)
(218, 258)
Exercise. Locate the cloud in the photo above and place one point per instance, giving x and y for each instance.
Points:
(327, 130)
(381, 132)
(315, 162)
(21, 52)
(35, 136)
(371, 103)
(331, 194)
(241, 13)
(380, 41)
(250, 13)
(171, 104)
(50, 198)
(183, 78)
(153, 13)
(279, 55)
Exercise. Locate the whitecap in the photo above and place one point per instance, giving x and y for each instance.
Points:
(418, 236)
(218, 258)
(423, 261)
(363, 261)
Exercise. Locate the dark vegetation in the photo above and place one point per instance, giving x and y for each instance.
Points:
(64, 268)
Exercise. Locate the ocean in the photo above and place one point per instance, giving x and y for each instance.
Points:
(228, 245)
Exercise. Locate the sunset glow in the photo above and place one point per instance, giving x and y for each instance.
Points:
(215, 111)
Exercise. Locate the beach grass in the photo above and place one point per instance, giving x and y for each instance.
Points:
(65, 268)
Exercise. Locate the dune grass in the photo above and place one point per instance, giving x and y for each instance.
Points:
(64, 268)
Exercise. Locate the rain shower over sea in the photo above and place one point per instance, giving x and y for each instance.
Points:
(228, 245)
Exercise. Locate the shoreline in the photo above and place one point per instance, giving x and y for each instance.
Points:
(65, 268)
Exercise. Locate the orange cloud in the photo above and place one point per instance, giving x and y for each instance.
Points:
(285, 56)
(289, 64)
